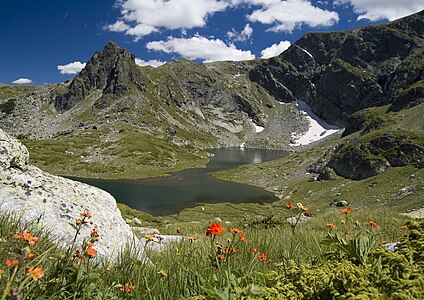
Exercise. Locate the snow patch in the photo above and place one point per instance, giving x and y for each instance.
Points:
(257, 127)
(242, 145)
(318, 128)
(307, 52)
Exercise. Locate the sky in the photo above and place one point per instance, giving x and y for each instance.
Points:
(49, 41)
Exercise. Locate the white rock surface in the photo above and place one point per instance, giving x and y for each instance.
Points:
(52, 202)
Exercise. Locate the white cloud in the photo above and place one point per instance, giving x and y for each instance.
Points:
(71, 68)
(199, 47)
(374, 10)
(153, 62)
(244, 35)
(22, 81)
(275, 49)
(286, 15)
(140, 18)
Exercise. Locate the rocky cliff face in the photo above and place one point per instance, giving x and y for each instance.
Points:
(340, 73)
(53, 203)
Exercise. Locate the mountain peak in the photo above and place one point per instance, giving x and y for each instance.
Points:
(109, 70)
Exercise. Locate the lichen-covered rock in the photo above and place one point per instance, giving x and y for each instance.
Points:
(12, 153)
(53, 203)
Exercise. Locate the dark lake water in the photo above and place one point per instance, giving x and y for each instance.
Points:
(166, 195)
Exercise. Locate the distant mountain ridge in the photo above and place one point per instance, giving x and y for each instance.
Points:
(115, 115)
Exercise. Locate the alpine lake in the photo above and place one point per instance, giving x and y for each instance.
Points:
(166, 195)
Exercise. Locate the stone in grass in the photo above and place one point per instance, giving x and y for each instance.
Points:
(339, 203)
(136, 221)
(293, 221)
(142, 231)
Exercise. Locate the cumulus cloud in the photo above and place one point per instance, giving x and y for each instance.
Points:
(275, 49)
(22, 81)
(71, 68)
(140, 18)
(242, 36)
(199, 47)
(153, 62)
(286, 15)
(374, 10)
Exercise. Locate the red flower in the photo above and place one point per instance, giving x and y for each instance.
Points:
(78, 254)
(179, 230)
(12, 263)
(216, 229)
(233, 249)
(373, 224)
(263, 256)
(404, 227)
(288, 205)
(255, 250)
(346, 210)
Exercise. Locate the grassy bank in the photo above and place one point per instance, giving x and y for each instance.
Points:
(268, 259)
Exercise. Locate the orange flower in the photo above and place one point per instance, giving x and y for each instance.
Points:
(26, 236)
(78, 254)
(331, 225)
(288, 205)
(216, 229)
(89, 244)
(404, 227)
(263, 256)
(91, 252)
(301, 207)
(236, 230)
(242, 238)
(78, 222)
(373, 224)
(233, 249)
(12, 263)
(127, 288)
(179, 230)
(35, 273)
(346, 210)
(221, 257)
(86, 214)
(31, 255)
(94, 233)
(255, 250)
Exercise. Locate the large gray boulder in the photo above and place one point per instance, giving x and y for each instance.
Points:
(53, 203)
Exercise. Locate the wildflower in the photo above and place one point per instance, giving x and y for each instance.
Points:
(233, 249)
(149, 237)
(347, 232)
(255, 250)
(26, 235)
(127, 288)
(301, 207)
(94, 233)
(86, 214)
(12, 263)
(357, 223)
(179, 230)
(346, 211)
(35, 273)
(288, 205)
(404, 227)
(221, 257)
(263, 256)
(89, 244)
(331, 225)
(373, 224)
(236, 230)
(91, 252)
(191, 238)
(78, 222)
(216, 229)
(343, 221)
(242, 238)
(163, 273)
(78, 254)
(31, 255)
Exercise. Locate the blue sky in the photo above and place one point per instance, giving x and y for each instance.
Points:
(48, 41)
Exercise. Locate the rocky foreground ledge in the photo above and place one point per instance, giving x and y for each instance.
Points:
(53, 203)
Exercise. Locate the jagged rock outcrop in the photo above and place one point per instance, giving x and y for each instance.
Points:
(339, 73)
(53, 203)
(112, 70)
